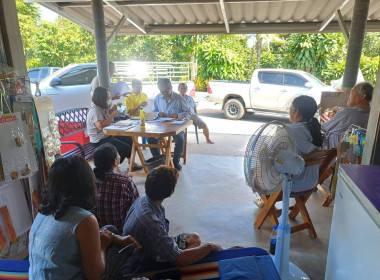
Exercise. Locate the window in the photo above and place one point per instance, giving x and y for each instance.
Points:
(44, 73)
(270, 78)
(33, 74)
(292, 80)
(79, 77)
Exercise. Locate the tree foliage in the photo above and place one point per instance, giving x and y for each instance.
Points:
(312, 52)
(217, 56)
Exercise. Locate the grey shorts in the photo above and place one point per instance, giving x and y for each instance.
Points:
(182, 240)
(198, 121)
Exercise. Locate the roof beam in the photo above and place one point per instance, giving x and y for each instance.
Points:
(68, 15)
(136, 23)
(342, 26)
(340, 5)
(85, 3)
(113, 35)
(225, 18)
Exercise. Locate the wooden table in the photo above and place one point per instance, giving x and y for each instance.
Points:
(164, 130)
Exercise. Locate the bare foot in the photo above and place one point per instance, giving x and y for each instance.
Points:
(209, 141)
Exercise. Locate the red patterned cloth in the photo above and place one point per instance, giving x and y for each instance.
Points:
(116, 193)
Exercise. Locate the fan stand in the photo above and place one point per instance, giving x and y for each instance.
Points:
(281, 258)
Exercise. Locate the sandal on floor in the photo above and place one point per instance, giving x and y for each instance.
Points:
(259, 202)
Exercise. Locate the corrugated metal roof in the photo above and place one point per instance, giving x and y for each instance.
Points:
(208, 16)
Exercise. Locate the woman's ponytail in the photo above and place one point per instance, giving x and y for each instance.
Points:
(307, 107)
(315, 131)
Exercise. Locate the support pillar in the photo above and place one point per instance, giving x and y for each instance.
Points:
(355, 44)
(100, 43)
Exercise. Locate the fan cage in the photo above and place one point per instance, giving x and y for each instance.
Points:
(261, 150)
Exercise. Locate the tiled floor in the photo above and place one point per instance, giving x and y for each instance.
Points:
(212, 199)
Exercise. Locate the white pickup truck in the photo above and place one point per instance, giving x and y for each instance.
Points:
(270, 90)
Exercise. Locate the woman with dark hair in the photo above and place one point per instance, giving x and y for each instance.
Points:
(99, 116)
(64, 241)
(116, 192)
(308, 136)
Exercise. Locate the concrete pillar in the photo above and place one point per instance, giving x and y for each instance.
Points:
(12, 37)
(100, 43)
(355, 43)
(373, 128)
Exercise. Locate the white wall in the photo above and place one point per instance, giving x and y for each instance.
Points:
(373, 120)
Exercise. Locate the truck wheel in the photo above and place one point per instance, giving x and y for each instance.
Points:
(234, 109)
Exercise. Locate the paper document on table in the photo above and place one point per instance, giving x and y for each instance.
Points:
(149, 106)
(166, 119)
(159, 120)
(125, 123)
(178, 122)
(119, 127)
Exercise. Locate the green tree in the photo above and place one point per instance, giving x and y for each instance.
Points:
(223, 57)
(313, 52)
(142, 48)
(61, 43)
(28, 17)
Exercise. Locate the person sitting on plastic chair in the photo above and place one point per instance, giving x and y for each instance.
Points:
(182, 89)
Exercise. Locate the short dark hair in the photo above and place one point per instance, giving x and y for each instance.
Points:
(99, 97)
(182, 84)
(104, 158)
(136, 83)
(160, 182)
(71, 183)
(365, 88)
(164, 84)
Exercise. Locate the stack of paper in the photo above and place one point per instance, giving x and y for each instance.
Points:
(125, 123)
(119, 127)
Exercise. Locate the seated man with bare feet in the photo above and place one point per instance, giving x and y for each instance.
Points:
(182, 89)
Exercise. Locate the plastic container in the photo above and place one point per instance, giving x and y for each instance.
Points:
(142, 117)
(273, 240)
(155, 161)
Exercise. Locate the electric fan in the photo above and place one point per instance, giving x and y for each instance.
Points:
(271, 159)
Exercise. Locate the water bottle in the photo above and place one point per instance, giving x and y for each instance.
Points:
(273, 240)
(142, 118)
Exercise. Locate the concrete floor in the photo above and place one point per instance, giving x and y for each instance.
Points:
(212, 198)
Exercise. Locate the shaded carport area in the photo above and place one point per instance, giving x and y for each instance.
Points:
(108, 19)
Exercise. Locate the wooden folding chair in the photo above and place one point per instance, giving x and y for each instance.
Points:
(325, 159)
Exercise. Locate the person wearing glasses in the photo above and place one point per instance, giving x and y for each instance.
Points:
(357, 113)
(172, 105)
(99, 116)
(308, 137)
(182, 89)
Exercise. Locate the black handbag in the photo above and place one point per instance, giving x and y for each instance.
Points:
(122, 262)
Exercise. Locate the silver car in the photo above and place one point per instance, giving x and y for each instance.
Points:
(70, 87)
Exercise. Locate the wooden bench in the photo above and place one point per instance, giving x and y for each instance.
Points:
(71, 122)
